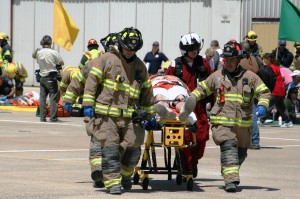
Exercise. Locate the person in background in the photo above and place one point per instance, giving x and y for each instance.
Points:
(154, 59)
(18, 72)
(296, 80)
(254, 48)
(283, 55)
(292, 104)
(231, 114)
(297, 56)
(6, 53)
(278, 94)
(48, 60)
(286, 76)
(214, 45)
(212, 59)
(7, 89)
(92, 53)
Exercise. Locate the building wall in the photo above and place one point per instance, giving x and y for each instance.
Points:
(158, 20)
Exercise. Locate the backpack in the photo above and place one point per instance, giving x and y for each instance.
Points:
(198, 65)
(266, 74)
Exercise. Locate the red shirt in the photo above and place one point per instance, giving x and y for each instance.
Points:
(279, 89)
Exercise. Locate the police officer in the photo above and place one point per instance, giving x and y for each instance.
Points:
(235, 89)
(48, 60)
(6, 53)
(92, 53)
(74, 90)
(16, 71)
(125, 98)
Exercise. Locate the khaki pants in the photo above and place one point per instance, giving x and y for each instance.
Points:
(222, 133)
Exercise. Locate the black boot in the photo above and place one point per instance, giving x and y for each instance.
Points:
(195, 170)
(231, 187)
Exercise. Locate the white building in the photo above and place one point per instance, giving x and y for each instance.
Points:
(27, 21)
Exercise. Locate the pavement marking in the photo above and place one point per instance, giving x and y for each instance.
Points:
(43, 123)
(287, 139)
(46, 150)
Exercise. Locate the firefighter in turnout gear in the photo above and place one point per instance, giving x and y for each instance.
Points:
(18, 72)
(124, 101)
(231, 115)
(92, 53)
(68, 73)
(74, 90)
(6, 53)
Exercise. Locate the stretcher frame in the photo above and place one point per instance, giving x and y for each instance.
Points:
(172, 136)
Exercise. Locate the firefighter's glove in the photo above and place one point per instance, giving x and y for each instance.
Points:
(260, 111)
(138, 116)
(151, 124)
(187, 108)
(88, 112)
(3, 98)
(68, 107)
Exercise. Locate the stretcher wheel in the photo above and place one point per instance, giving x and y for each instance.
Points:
(145, 183)
(190, 184)
(136, 178)
(179, 179)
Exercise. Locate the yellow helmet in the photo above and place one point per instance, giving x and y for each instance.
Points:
(251, 36)
(11, 70)
(3, 35)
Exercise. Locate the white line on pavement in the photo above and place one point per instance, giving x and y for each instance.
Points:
(280, 139)
(49, 150)
(43, 123)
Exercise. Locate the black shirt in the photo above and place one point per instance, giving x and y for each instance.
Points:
(155, 61)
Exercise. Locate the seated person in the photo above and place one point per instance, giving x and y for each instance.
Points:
(7, 89)
(292, 105)
(170, 93)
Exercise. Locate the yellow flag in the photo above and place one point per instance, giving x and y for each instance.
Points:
(65, 30)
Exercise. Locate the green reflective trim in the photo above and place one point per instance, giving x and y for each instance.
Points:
(95, 162)
(263, 100)
(126, 173)
(147, 84)
(230, 121)
(80, 78)
(149, 109)
(197, 94)
(108, 83)
(112, 182)
(205, 88)
(230, 170)
(88, 98)
(134, 93)
(128, 112)
(70, 95)
(107, 110)
(97, 72)
(262, 87)
(233, 98)
(63, 85)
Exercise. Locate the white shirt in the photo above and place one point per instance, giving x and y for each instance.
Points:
(47, 59)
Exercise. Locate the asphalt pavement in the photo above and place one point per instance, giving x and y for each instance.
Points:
(50, 160)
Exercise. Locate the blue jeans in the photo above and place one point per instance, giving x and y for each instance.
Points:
(254, 129)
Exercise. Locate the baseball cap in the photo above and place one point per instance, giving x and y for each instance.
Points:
(282, 43)
(155, 43)
(295, 73)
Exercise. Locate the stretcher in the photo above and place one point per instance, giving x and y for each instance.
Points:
(172, 137)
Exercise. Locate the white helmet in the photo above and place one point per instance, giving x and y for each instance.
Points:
(190, 42)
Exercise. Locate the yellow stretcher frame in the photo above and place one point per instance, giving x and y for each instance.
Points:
(172, 136)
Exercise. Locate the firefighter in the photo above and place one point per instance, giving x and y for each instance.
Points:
(192, 68)
(125, 100)
(68, 73)
(254, 49)
(6, 53)
(92, 53)
(74, 90)
(18, 72)
(231, 115)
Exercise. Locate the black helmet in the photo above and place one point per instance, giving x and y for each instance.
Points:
(232, 49)
(47, 40)
(130, 39)
(110, 39)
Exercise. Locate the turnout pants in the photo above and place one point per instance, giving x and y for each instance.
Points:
(120, 141)
(233, 142)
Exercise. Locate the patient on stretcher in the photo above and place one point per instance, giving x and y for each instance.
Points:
(170, 93)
